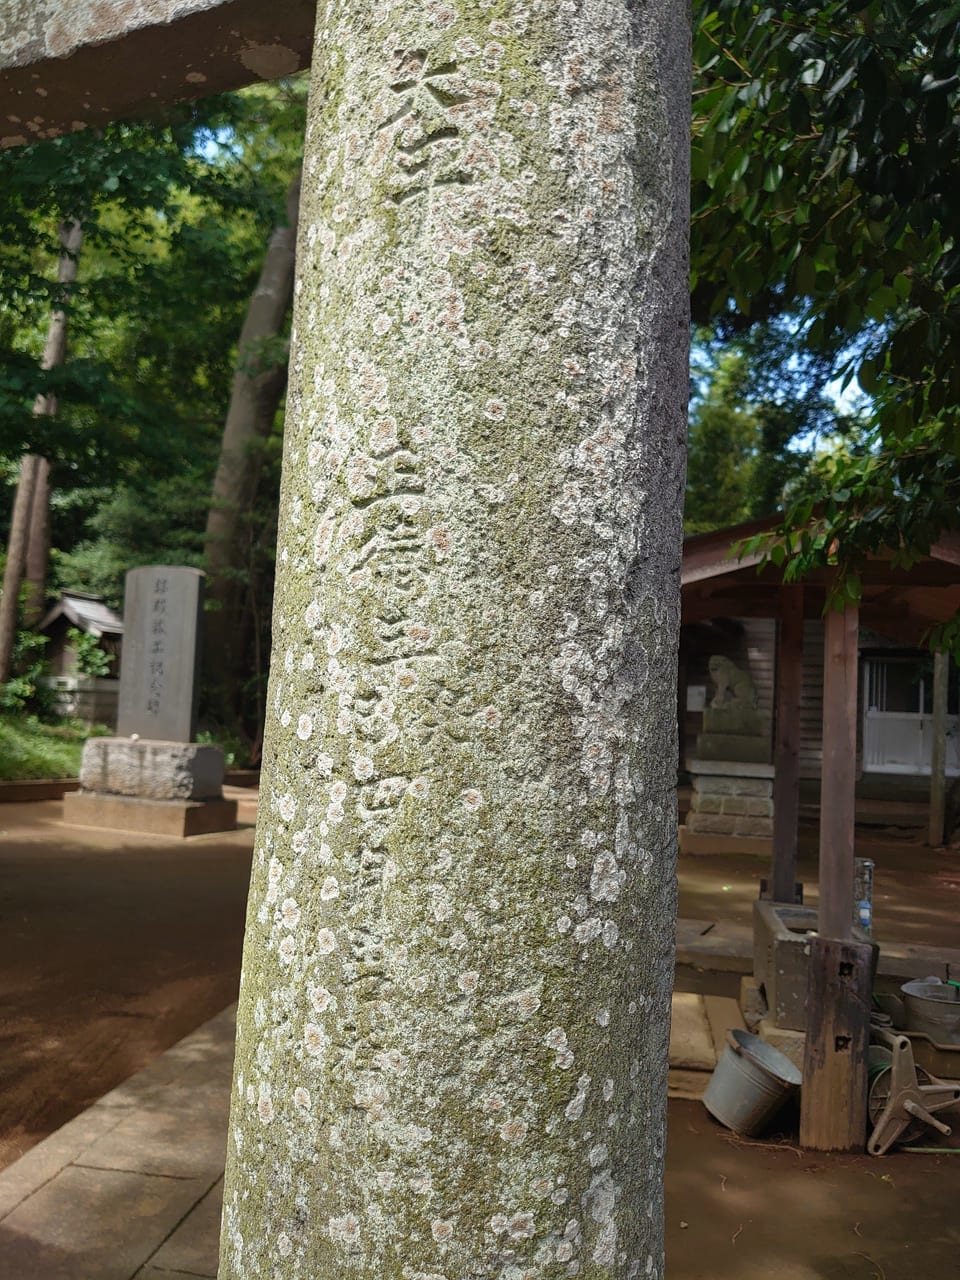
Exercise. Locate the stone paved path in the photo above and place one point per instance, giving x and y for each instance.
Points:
(131, 1188)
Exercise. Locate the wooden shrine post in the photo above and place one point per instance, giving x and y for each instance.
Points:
(786, 759)
(839, 772)
(833, 1113)
(938, 756)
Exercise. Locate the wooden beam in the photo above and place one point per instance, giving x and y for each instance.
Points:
(926, 572)
(786, 760)
(833, 1104)
(70, 64)
(947, 548)
(834, 1100)
(751, 601)
(705, 554)
(938, 755)
(838, 772)
(702, 564)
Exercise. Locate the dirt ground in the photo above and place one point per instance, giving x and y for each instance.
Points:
(742, 1210)
(112, 948)
(916, 896)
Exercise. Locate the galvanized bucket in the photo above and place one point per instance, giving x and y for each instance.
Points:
(933, 1007)
(750, 1083)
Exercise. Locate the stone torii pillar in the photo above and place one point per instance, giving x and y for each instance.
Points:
(454, 1014)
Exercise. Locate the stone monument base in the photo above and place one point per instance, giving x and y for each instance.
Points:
(717, 747)
(174, 819)
(151, 769)
(172, 789)
(731, 808)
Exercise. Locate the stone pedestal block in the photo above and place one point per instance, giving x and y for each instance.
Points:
(152, 770)
(753, 1005)
(733, 746)
(783, 936)
(736, 721)
(174, 819)
(731, 808)
(790, 1043)
(781, 955)
(172, 789)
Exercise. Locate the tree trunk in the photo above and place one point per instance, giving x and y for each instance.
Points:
(37, 555)
(258, 384)
(37, 558)
(16, 555)
(455, 1004)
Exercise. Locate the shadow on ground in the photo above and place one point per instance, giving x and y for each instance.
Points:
(748, 1210)
(111, 950)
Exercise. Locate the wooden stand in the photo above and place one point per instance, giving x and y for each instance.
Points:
(833, 1107)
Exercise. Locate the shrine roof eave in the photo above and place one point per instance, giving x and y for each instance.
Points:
(714, 556)
(68, 64)
(903, 603)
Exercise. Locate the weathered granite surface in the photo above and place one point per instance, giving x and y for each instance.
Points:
(152, 770)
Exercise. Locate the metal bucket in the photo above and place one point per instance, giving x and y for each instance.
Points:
(750, 1083)
(933, 1007)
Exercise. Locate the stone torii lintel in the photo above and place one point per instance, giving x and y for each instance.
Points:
(69, 64)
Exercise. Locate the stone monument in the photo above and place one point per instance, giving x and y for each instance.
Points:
(733, 728)
(152, 777)
(161, 647)
(731, 809)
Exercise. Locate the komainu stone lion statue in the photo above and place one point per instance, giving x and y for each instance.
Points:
(733, 686)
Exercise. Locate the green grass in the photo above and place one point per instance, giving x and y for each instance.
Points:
(30, 749)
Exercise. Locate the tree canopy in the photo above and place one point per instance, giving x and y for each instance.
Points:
(824, 247)
(760, 418)
(825, 160)
(176, 215)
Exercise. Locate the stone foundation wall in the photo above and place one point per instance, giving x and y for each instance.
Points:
(88, 698)
(730, 806)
